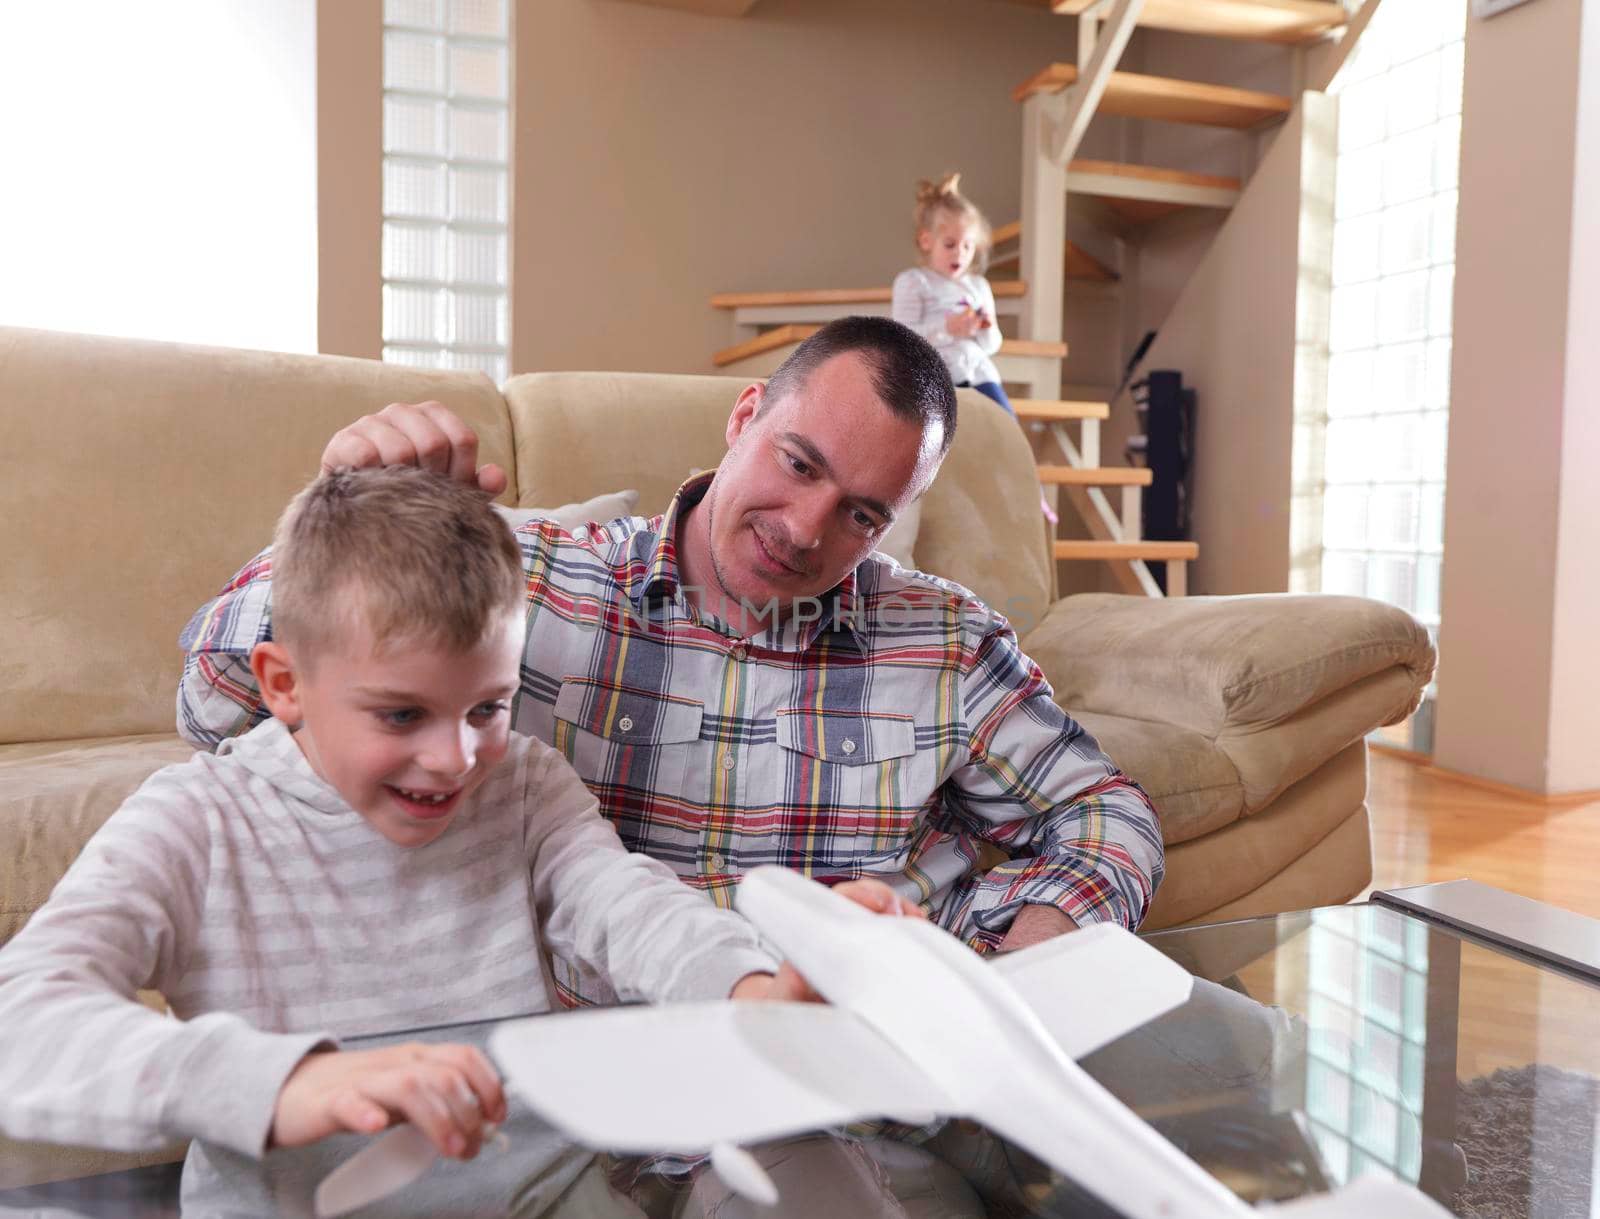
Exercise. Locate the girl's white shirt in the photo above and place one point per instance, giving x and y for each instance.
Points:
(922, 299)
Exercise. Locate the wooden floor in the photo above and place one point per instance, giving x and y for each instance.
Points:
(1427, 826)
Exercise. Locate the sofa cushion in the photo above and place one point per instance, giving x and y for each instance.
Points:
(581, 433)
(1193, 785)
(1210, 871)
(981, 525)
(601, 508)
(1333, 871)
(899, 542)
(1277, 683)
(145, 475)
(53, 796)
(1217, 663)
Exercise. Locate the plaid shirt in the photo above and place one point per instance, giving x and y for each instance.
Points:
(894, 736)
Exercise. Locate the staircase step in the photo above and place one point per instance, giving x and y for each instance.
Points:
(1152, 552)
(1161, 97)
(1142, 193)
(778, 336)
(1031, 347)
(1055, 411)
(834, 296)
(1096, 476)
(782, 336)
(1080, 264)
(1287, 21)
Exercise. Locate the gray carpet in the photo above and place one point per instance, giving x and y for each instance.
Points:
(1528, 1137)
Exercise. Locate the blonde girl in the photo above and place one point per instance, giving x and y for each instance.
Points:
(945, 298)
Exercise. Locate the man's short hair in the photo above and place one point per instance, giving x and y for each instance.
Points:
(907, 373)
(413, 556)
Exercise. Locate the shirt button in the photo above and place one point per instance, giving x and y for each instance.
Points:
(625, 724)
(739, 651)
(848, 746)
(727, 761)
(719, 862)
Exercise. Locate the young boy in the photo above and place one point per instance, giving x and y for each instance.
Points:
(381, 855)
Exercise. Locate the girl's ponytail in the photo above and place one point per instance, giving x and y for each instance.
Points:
(944, 197)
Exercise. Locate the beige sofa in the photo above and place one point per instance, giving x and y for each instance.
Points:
(136, 477)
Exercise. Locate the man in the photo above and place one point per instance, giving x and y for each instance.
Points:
(743, 681)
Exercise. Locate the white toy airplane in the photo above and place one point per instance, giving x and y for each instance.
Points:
(920, 1026)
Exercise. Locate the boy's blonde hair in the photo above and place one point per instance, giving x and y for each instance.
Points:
(413, 556)
(944, 199)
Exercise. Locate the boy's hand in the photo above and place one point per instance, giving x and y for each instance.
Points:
(425, 434)
(449, 1092)
(787, 985)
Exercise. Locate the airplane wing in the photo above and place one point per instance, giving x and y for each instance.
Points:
(646, 1079)
(1362, 1198)
(1095, 984)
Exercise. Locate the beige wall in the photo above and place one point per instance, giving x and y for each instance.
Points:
(1574, 715)
(1232, 335)
(349, 177)
(661, 157)
(1508, 503)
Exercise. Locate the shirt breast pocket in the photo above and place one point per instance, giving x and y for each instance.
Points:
(857, 772)
(626, 742)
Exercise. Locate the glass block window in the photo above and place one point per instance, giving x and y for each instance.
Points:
(1388, 395)
(1367, 1012)
(446, 81)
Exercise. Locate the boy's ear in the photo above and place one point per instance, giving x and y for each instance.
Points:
(275, 678)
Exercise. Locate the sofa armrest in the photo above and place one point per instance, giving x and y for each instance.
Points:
(1226, 664)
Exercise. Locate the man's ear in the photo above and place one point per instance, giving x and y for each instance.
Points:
(275, 678)
(745, 409)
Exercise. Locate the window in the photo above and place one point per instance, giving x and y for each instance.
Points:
(1393, 275)
(160, 164)
(445, 184)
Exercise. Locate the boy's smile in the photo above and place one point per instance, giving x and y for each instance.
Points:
(406, 731)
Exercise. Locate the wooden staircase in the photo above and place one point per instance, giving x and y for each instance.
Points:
(1058, 103)
(1033, 262)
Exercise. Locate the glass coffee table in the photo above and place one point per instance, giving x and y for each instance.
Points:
(1445, 1035)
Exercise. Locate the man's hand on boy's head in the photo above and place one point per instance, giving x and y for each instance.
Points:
(449, 1092)
(787, 985)
(425, 434)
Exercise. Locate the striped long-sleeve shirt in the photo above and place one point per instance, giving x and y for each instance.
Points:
(893, 733)
(273, 918)
(923, 299)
